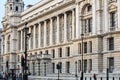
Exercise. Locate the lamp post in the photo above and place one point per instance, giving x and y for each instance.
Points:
(107, 72)
(25, 75)
(76, 71)
(82, 56)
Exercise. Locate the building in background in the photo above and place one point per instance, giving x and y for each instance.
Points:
(56, 27)
(0, 49)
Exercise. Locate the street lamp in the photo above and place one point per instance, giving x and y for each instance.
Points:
(82, 56)
(76, 71)
(25, 75)
(107, 72)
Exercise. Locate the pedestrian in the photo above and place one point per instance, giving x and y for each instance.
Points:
(94, 76)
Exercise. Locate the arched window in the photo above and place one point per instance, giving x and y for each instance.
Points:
(87, 20)
(112, 17)
(10, 6)
(8, 43)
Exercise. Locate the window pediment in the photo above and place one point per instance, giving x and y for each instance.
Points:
(112, 7)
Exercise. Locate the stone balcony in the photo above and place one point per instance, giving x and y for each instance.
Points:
(39, 57)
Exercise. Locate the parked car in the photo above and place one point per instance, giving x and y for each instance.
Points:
(1, 77)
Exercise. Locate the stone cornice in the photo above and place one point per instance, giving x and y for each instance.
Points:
(36, 6)
(51, 8)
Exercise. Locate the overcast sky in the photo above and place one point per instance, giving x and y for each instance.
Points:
(2, 7)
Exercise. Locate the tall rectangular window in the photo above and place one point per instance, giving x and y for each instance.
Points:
(60, 52)
(85, 47)
(85, 66)
(90, 46)
(113, 20)
(46, 52)
(111, 64)
(79, 48)
(68, 51)
(90, 65)
(53, 67)
(111, 43)
(90, 25)
(60, 67)
(79, 66)
(53, 53)
(67, 67)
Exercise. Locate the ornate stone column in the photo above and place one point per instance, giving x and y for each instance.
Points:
(34, 41)
(118, 11)
(39, 34)
(51, 31)
(44, 33)
(94, 17)
(106, 15)
(58, 40)
(99, 17)
(77, 21)
(29, 41)
(73, 23)
(21, 39)
(65, 27)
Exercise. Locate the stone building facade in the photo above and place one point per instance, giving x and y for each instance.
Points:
(0, 48)
(56, 27)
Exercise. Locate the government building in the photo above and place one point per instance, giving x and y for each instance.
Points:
(66, 38)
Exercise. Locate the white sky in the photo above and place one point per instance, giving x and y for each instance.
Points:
(2, 7)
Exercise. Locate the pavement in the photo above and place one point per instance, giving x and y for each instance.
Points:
(17, 78)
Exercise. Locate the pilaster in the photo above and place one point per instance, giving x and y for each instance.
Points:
(88, 65)
(73, 23)
(65, 27)
(58, 40)
(106, 15)
(44, 33)
(34, 41)
(51, 31)
(77, 21)
(94, 17)
(118, 11)
(21, 39)
(29, 39)
(99, 17)
(39, 35)
(6, 47)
